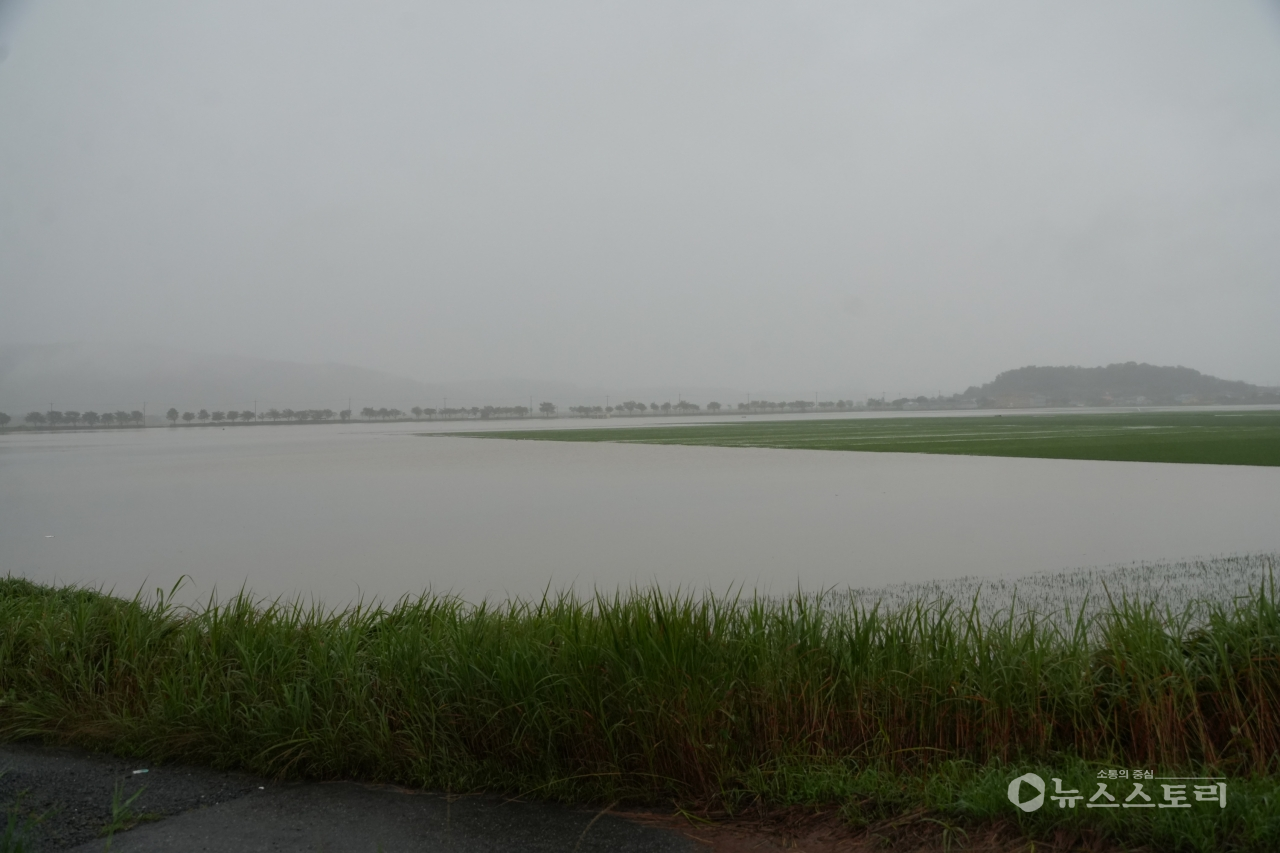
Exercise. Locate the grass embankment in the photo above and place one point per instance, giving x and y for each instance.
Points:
(713, 704)
(1216, 438)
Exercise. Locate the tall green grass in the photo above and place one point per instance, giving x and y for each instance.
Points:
(647, 696)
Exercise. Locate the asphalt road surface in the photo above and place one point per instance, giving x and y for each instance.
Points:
(208, 811)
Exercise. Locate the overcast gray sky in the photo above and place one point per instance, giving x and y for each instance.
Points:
(900, 196)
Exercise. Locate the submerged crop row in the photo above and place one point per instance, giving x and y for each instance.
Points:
(646, 695)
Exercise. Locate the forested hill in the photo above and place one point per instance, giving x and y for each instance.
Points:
(1119, 384)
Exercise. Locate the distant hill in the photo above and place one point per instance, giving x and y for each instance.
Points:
(1130, 383)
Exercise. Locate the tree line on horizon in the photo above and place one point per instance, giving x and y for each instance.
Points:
(54, 419)
(1019, 389)
(1127, 384)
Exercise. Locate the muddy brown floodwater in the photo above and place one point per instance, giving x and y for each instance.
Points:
(342, 510)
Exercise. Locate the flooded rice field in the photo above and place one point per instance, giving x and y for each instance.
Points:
(1183, 589)
(341, 511)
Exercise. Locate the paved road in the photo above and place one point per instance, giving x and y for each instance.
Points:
(205, 811)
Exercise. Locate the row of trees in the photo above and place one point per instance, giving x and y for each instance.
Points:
(269, 415)
(368, 413)
(93, 419)
(72, 419)
(628, 408)
(798, 406)
(419, 413)
(631, 407)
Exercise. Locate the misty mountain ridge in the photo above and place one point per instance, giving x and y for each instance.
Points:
(107, 377)
(110, 377)
(1129, 383)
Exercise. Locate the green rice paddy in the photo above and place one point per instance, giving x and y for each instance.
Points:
(1212, 438)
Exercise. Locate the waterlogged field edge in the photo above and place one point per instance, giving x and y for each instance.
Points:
(1217, 438)
(1177, 590)
(717, 705)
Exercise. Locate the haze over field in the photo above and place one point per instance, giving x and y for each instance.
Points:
(834, 198)
(109, 377)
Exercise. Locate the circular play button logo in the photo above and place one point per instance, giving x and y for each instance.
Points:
(1015, 792)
